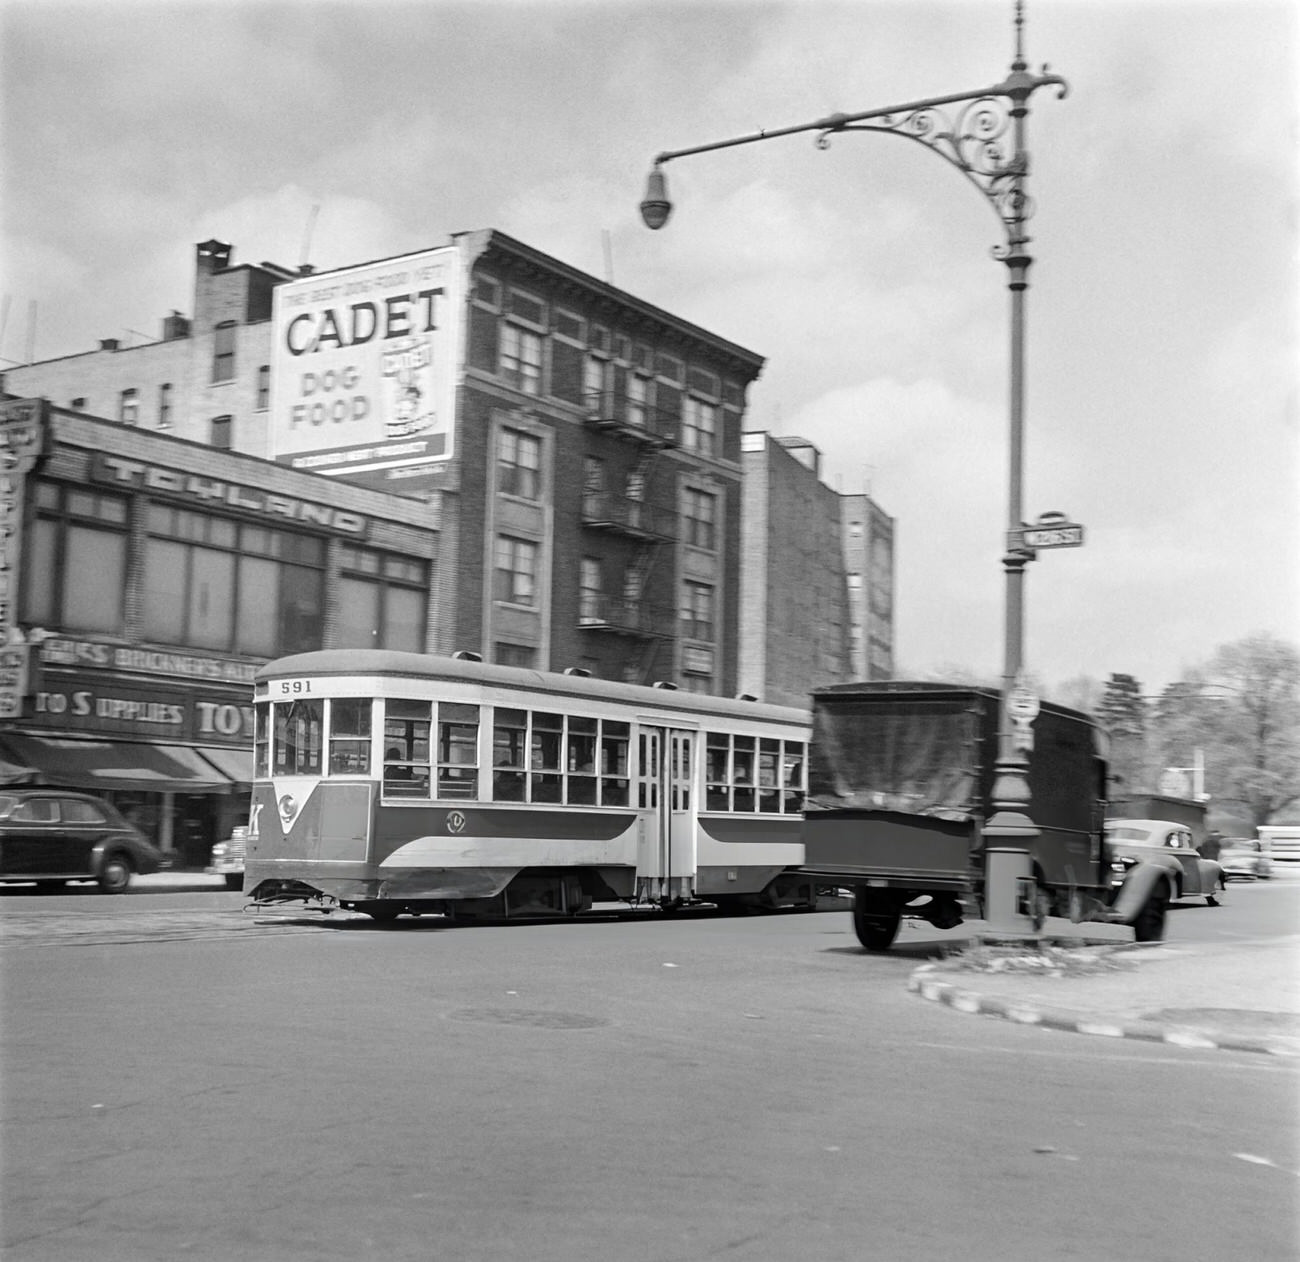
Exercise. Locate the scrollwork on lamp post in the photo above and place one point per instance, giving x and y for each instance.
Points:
(983, 135)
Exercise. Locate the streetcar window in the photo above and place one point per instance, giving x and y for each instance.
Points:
(613, 763)
(580, 761)
(457, 750)
(298, 730)
(509, 748)
(262, 739)
(350, 736)
(769, 766)
(407, 727)
(793, 783)
(742, 773)
(717, 753)
(547, 736)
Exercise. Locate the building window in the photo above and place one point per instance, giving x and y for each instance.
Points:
(521, 358)
(514, 578)
(519, 462)
(165, 406)
(595, 383)
(263, 387)
(699, 519)
(212, 582)
(590, 592)
(699, 426)
(637, 393)
(128, 411)
(221, 433)
(76, 560)
(524, 655)
(223, 352)
(697, 611)
(382, 601)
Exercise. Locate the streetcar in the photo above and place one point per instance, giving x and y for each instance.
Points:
(394, 783)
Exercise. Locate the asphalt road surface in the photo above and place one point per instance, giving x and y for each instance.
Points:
(183, 1080)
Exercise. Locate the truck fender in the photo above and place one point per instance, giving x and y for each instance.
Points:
(1142, 882)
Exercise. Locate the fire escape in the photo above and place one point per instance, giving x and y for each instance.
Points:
(631, 514)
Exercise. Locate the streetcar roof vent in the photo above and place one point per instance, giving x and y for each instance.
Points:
(745, 696)
(663, 683)
(581, 671)
(464, 655)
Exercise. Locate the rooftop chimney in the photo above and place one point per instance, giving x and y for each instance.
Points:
(213, 255)
(109, 343)
(174, 327)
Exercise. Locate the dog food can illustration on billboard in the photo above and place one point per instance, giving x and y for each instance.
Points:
(363, 372)
(408, 381)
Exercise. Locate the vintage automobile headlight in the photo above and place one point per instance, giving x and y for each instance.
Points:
(1123, 863)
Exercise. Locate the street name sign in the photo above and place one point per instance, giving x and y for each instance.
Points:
(1066, 535)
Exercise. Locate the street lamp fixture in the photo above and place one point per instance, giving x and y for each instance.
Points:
(983, 134)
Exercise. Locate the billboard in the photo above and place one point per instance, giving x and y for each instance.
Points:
(363, 371)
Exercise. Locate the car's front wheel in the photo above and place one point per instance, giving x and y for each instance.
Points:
(115, 874)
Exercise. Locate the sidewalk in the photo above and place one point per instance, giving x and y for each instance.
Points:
(1238, 996)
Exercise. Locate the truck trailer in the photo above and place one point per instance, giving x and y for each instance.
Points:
(900, 786)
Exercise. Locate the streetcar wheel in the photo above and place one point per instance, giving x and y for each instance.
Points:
(876, 917)
(115, 875)
(1149, 925)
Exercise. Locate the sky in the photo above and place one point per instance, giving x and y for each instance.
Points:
(1161, 316)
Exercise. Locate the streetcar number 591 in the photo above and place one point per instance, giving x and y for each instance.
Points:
(293, 687)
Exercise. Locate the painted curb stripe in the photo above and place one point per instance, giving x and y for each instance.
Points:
(922, 982)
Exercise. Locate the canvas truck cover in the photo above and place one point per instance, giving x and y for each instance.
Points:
(900, 781)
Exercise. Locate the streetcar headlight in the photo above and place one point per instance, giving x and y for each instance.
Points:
(287, 807)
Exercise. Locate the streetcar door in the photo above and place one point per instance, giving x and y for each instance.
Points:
(667, 808)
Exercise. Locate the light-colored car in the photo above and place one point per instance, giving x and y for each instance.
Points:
(1134, 841)
(228, 859)
(1245, 858)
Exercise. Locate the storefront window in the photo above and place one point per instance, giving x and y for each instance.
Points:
(214, 583)
(77, 560)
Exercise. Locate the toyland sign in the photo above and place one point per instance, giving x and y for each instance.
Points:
(363, 379)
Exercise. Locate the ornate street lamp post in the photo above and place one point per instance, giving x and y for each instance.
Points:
(983, 135)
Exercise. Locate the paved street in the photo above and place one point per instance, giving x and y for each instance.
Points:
(186, 1080)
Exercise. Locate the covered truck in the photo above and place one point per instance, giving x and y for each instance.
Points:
(900, 784)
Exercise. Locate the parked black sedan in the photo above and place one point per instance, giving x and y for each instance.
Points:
(55, 835)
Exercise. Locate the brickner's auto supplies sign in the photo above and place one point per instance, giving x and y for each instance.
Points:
(363, 377)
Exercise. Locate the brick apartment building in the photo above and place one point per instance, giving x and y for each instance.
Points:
(808, 588)
(587, 487)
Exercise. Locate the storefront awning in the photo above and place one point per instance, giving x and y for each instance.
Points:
(234, 764)
(114, 764)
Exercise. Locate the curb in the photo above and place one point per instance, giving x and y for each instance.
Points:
(924, 983)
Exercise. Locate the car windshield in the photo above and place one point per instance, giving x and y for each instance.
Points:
(1128, 834)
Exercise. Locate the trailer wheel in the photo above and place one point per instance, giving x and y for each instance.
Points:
(876, 916)
(1149, 923)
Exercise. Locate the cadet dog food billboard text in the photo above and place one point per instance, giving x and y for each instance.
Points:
(363, 383)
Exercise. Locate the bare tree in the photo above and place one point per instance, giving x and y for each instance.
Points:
(1242, 710)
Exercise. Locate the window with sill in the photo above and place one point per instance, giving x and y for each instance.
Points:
(514, 575)
(223, 352)
(519, 462)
